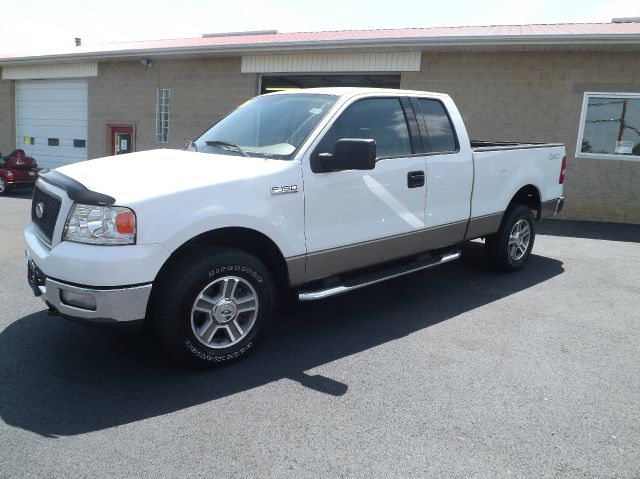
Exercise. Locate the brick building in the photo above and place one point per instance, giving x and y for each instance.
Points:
(578, 84)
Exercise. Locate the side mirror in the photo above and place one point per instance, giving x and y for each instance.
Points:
(350, 154)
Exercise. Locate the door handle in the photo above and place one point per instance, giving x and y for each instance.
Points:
(415, 179)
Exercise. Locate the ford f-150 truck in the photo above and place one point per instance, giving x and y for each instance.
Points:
(318, 191)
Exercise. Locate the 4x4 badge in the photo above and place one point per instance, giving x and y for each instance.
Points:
(284, 190)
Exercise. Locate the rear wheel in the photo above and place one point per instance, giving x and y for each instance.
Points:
(211, 304)
(510, 248)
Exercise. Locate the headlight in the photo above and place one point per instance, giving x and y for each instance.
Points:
(106, 225)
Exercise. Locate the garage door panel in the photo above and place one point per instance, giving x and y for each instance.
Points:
(59, 112)
(37, 105)
(47, 85)
(43, 141)
(58, 95)
(50, 122)
(53, 85)
(53, 162)
(49, 159)
(52, 109)
(30, 96)
(51, 130)
(59, 152)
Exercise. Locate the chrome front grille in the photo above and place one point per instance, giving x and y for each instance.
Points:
(44, 212)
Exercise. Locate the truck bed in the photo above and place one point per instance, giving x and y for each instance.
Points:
(489, 145)
(501, 168)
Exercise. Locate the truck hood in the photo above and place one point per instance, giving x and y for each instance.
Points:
(144, 175)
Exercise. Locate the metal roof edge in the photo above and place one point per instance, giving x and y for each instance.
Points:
(279, 47)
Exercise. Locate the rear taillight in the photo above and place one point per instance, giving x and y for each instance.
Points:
(563, 170)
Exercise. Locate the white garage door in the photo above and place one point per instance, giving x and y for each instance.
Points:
(51, 120)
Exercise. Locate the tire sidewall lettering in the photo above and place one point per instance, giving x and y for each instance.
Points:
(236, 269)
(212, 358)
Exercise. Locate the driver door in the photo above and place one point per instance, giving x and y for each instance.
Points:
(358, 218)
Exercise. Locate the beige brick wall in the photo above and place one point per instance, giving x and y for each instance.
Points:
(202, 91)
(537, 96)
(523, 96)
(7, 116)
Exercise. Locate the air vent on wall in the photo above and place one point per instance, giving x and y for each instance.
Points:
(626, 20)
(240, 34)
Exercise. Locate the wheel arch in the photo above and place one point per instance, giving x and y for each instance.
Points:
(528, 195)
(246, 239)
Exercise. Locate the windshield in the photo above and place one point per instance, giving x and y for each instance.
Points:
(270, 126)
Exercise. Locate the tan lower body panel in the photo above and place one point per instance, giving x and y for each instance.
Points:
(483, 225)
(324, 264)
(347, 258)
(296, 266)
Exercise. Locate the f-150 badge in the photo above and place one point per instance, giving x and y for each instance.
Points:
(284, 190)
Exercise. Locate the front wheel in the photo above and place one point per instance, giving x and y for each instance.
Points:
(4, 187)
(510, 248)
(211, 304)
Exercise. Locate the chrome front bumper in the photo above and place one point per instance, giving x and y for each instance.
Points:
(112, 305)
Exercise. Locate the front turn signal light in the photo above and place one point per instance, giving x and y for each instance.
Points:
(126, 222)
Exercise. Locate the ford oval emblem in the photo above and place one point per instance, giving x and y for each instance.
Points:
(40, 210)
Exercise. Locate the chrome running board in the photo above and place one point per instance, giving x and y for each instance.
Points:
(377, 277)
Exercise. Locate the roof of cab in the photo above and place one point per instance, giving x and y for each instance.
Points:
(355, 91)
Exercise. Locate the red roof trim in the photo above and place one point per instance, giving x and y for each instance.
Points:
(472, 33)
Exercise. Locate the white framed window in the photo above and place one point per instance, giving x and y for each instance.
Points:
(609, 126)
(162, 115)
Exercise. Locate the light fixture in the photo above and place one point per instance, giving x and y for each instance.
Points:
(145, 62)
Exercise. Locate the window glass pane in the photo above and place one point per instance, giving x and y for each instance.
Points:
(162, 115)
(270, 125)
(53, 141)
(612, 126)
(439, 128)
(79, 143)
(381, 119)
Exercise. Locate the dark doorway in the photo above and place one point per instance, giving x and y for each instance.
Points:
(273, 83)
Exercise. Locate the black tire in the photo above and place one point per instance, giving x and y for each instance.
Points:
(499, 248)
(5, 189)
(205, 273)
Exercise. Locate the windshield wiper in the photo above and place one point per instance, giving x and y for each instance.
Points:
(226, 143)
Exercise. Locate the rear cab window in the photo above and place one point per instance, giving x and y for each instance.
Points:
(438, 134)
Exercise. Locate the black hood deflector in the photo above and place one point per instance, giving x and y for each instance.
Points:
(76, 190)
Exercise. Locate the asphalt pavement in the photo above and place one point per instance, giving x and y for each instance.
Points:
(456, 372)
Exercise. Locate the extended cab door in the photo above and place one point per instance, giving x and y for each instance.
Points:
(449, 169)
(358, 218)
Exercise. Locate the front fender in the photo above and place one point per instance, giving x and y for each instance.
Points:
(173, 221)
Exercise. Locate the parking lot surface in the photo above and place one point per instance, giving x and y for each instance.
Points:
(457, 372)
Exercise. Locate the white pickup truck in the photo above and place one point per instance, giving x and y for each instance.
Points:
(318, 191)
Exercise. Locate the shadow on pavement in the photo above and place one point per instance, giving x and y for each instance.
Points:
(19, 193)
(590, 230)
(58, 378)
